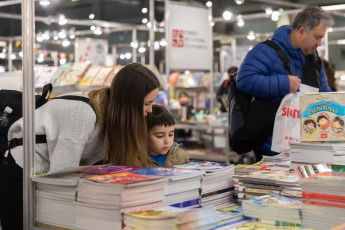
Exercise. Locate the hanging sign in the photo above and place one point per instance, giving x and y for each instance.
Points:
(89, 49)
(189, 33)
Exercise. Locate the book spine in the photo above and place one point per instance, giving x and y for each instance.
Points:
(323, 204)
(187, 203)
(321, 196)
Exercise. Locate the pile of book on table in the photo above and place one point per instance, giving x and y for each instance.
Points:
(267, 177)
(171, 218)
(182, 188)
(274, 209)
(323, 197)
(217, 184)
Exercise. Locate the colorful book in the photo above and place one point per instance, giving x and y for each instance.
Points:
(122, 178)
(116, 69)
(102, 75)
(173, 173)
(45, 76)
(110, 169)
(90, 75)
(60, 73)
(75, 75)
(208, 166)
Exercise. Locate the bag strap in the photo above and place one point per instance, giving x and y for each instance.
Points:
(280, 53)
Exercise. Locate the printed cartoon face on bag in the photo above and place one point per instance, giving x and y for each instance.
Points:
(322, 117)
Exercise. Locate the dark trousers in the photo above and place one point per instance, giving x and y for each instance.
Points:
(11, 194)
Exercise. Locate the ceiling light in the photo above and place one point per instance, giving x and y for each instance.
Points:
(13, 56)
(144, 10)
(275, 15)
(251, 35)
(122, 56)
(144, 21)
(66, 43)
(240, 21)
(334, 7)
(208, 3)
(134, 45)
(92, 28)
(62, 61)
(156, 45)
(149, 24)
(163, 42)
(62, 19)
(98, 31)
(268, 10)
(128, 55)
(21, 53)
(91, 16)
(142, 50)
(227, 15)
(62, 34)
(44, 2)
(212, 23)
(2, 55)
(239, 2)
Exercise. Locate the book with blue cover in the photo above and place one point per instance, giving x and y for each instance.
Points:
(173, 173)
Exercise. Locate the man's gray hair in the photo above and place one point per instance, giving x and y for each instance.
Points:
(310, 17)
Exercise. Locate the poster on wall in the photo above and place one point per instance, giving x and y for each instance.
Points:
(188, 35)
(89, 49)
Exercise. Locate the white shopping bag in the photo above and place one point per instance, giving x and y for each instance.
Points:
(287, 123)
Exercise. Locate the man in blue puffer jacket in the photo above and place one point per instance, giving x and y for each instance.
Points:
(262, 73)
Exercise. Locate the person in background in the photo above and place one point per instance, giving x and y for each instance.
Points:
(330, 72)
(262, 73)
(224, 88)
(161, 146)
(76, 135)
(183, 110)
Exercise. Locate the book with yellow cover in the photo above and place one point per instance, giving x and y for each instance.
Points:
(90, 75)
(102, 75)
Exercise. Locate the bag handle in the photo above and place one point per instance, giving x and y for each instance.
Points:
(280, 53)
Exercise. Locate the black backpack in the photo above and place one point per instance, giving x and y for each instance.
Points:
(11, 111)
(251, 119)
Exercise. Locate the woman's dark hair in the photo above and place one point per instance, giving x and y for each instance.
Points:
(232, 72)
(120, 115)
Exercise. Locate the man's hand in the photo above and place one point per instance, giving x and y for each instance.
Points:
(295, 82)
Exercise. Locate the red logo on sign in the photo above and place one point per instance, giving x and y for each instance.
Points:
(177, 38)
(323, 135)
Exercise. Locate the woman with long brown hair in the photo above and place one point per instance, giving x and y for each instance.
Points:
(115, 132)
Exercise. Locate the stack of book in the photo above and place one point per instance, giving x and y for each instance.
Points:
(228, 214)
(305, 153)
(217, 184)
(102, 198)
(267, 181)
(55, 196)
(323, 197)
(272, 208)
(168, 217)
(183, 187)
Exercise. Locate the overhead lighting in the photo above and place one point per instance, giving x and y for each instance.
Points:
(212, 23)
(334, 7)
(128, 55)
(98, 30)
(2, 55)
(156, 45)
(163, 42)
(251, 35)
(275, 15)
(134, 45)
(91, 16)
(44, 2)
(62, 34)
(208, 3)
(62, 19)
(268, 10)
(227, 15)
(62, 61)
(66, 43)
(142, 50)
(144, 10)
(144, 21)
(240, 21)
(239, 2)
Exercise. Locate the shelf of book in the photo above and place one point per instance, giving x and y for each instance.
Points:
(203, 127)
(57, 90)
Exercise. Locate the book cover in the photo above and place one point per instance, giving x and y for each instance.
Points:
(174, 173)
(173, 78)
(75, 75)
(338, 168)
(121, 178)
(90, 75)
(60, 73)
(262, 226)
(323, 197)
(275, 201)
(203, 165)
(45, 76)
(112, 76)
(189, 203)
(329, 176)
(102, 75)
(110, 169)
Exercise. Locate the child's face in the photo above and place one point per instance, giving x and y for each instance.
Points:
(310, 126)
(161, 139)
(337, 125)
(323, 121)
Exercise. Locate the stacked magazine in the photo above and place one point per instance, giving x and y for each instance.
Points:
(183, 187)
(217, 184)
(273, 207)
(171, 218)
(228, 214)
(317, 152)
(102, 198)
(323, 197)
